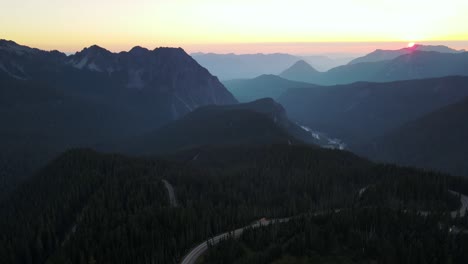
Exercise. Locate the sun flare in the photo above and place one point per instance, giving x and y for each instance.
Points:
(411, 44)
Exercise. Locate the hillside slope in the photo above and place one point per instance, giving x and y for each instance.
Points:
(105, 208)
(51, 102)
(259, 122)
(271, 86)
(359, 112)
(438, 141)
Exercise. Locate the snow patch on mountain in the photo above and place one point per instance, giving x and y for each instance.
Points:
(92, 66)
(314, 134)
(3, 68)
(81, 64)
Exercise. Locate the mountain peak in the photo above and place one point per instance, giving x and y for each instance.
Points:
(267, 77)
(436, 48)
(138, 50)
(301, 66)
(95, 49)
(383, 55)
(300, 71)
(302, 63)
(5, 43)
(175, 53)
(13, 47)
(170, 50)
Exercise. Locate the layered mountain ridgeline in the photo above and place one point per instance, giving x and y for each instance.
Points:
(353, 236)
(382, 55)
(359, 112)
(86, 206)
(368, 116)
(272, 86)
(234, 66)
(300, 71)
(414, 65)
(165, 71)
(260, 122)
(51, 101)
(438, 141)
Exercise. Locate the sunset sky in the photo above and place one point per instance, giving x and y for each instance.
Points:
(241, 26)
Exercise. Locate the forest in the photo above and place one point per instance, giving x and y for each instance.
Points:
(362, 235)
(89, 207)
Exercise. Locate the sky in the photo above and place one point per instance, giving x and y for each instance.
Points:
(238, 26)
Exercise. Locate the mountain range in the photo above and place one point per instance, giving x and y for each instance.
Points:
(361, 111)
(383, 55)
(242, 66)
(254, 179)
(411, 64)
(389, 122)
(51, 101)
(168, 72)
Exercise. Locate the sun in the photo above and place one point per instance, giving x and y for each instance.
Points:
(411, 44)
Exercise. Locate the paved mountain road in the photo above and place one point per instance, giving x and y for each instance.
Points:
(464, 204)
(170, 190)
(196, 252)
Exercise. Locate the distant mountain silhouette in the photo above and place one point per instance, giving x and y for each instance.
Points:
(232, 66)
(246, 90)
(324, 63)
(438, 141)
(94, 58)
(382, 55)
(22, 62)
(359, 112)
(243, 66)
(168, 71)
(51, 101)
(414, 65)
(300, 71)
(260, 122)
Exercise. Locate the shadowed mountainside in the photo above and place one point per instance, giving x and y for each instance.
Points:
(50, 101)
(437, 141)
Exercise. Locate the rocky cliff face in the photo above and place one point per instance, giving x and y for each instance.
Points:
(50, 101)
(164, 72)
(23, 63)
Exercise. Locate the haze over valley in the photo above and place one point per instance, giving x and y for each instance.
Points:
(235, 132)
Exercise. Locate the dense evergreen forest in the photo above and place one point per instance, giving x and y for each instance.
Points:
(374, 235)
(88, 207)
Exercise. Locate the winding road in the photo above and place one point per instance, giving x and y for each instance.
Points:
(170, 190)
(464, 204)
(196, 252)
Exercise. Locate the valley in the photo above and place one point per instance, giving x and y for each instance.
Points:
(145, 156)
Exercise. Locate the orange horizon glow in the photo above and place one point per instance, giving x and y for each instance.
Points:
(333, 49)
(238, 26)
